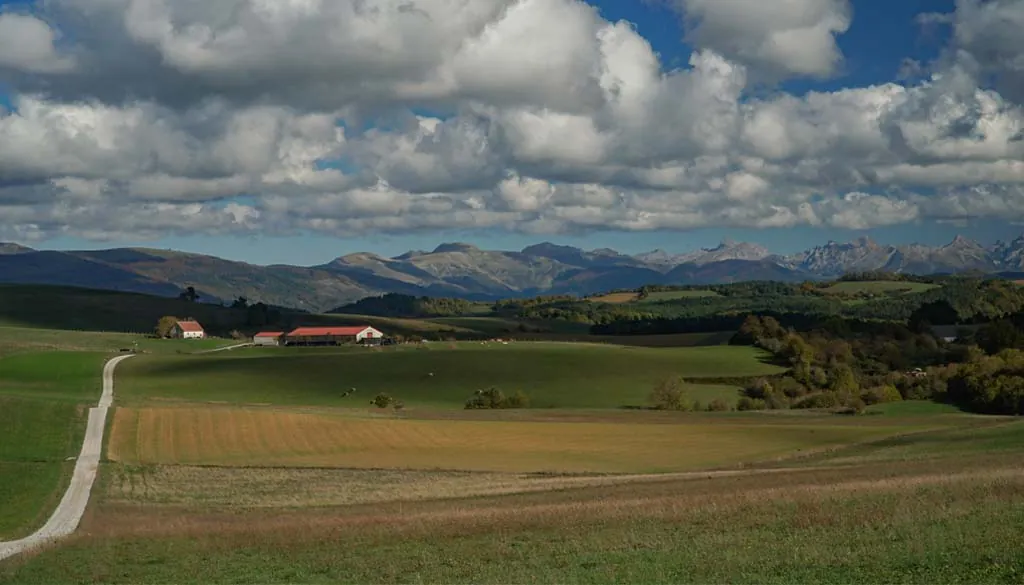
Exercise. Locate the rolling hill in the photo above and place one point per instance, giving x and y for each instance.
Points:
(466, 271)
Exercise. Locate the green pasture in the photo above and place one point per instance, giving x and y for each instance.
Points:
(677, 295)
(44, 401)
(15, 340)
(879, 287)
(554, 375)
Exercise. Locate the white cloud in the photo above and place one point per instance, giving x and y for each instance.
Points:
(28, 44)
(151, 117)
(776, 39)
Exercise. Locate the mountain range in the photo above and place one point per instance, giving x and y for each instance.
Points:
(465, 271)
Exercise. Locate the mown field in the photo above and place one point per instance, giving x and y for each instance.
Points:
(44, 399)
(272, 438)
(924, 515)
(441, 375)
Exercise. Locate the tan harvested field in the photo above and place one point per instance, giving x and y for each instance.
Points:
(616, 298)
(274, 438)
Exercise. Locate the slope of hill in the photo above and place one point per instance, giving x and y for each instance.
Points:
(7, 248)
(59, 268)
(466, 271)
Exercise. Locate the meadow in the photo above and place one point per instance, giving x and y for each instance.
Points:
(888, 520)
(263, 464)
(32, 340)
(619, 298)
(43, 408)
(879, 287)
(439, 375)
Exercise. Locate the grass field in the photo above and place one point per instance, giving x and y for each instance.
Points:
(249, 466)
(675, 295)
(902, 519)
(26, 340)
(37, 436)
(879, 287)
(554, 375)
(653, 297)
(270, 438)
(43, 407)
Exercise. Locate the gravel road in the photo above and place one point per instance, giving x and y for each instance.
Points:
(69, 512)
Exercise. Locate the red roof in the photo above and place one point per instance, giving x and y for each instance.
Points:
(191, 326)
(327, 331)
(269, 334)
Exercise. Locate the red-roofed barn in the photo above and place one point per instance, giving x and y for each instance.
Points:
(188, 330)
(332, 335)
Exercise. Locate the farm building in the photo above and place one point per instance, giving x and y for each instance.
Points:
(188, 330)
(268, 338)
(332, 335)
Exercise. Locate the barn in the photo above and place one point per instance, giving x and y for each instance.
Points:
(188, 330)
(268, 338)
(332, 335)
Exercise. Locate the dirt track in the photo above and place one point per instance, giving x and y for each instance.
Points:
(69, 512)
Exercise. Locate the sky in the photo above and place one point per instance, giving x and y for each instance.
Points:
(296, 131)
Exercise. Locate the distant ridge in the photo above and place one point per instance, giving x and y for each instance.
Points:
(466, 271)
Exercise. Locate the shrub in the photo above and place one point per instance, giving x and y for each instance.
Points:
(718, 405)
(518, 400)
(791, 387)
(748, 403)
(670, 394)
(398, 405)
(819, 400)
(881, 394)
(776, 401)
(382, 400)
(855, 407)
(492, 398)
(760, 388)
(237, 335)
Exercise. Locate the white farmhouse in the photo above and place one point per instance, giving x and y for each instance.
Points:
(188, 330)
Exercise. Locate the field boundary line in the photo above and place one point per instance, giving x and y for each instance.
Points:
(66, 517)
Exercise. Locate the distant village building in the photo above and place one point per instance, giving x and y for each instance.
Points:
(268, 338)
(188, 330)
(333, 335)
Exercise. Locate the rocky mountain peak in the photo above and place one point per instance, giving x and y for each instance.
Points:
(962, 242)
(455, 247)
(547, 249)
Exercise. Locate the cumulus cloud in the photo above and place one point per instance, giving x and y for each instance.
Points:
(143, 118)
(28, 44)
(776, 39)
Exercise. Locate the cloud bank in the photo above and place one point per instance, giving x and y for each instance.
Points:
(145, 118)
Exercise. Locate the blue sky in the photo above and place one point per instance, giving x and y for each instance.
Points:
(883, 34)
